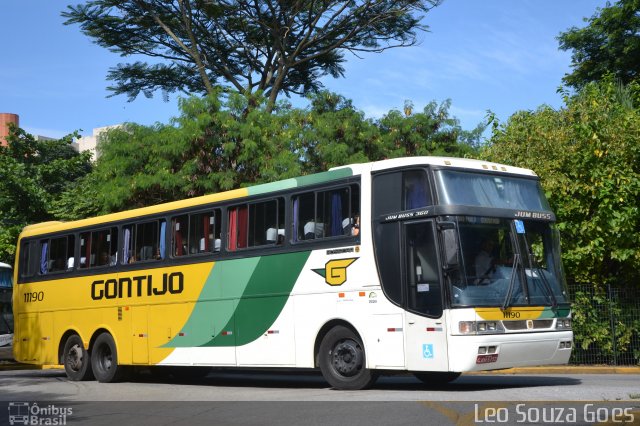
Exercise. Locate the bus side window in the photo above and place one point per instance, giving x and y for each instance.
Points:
(27, 262)
(128, 246)
(325, 214)
(55, 252)
(150, 240)
(204, 232)
(263, 223)
(416, 190)
(179, 239)
(238, 224)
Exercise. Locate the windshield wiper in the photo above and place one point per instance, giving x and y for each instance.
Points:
(536, 268)
(512, 281)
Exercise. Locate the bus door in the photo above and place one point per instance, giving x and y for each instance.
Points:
(425, 331)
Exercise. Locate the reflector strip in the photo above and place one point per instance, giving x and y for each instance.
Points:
(361, 294)
(273, 332)
(227, 333)
(142, 335)
(434, 328)
(391, 330)
(340, 294)
(181, 334)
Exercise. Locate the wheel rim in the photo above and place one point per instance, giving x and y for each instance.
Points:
(75, 357)
(347, 358)
(105, 357)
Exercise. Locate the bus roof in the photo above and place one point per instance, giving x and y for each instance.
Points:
(332, 174)
(463, 163)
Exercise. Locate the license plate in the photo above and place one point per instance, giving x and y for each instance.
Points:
(486, 359)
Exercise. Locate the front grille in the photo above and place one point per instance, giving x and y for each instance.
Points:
(522, 324)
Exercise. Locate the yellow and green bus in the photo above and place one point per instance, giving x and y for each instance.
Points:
(435, 266)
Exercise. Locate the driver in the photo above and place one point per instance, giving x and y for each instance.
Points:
(484, 261)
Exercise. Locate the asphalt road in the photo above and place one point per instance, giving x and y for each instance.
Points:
(242, 398)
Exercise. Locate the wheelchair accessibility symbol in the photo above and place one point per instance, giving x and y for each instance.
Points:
(427, 351)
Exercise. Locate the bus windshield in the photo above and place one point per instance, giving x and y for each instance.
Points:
(487, 190)
(505, 262)
(6, 314)
(6, 278)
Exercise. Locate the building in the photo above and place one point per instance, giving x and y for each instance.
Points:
(83, 143)
(6, 119)
(89, 143)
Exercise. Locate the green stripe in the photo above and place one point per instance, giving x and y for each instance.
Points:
(244, 296)
(215, 306)
(300, 181)
(264, 298)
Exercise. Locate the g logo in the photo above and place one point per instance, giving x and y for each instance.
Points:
(335, 271)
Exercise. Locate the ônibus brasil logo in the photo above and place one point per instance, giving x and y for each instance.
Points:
(335, 271)
(25, 413)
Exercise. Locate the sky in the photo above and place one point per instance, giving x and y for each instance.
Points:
(497, 55)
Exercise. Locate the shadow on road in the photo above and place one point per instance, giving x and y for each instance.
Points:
(314, 380)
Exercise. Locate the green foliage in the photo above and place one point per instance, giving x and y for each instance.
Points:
(600, 320)
(34, 174)
(609, 44)
(430, 132)
(220, 143)
(267, 46)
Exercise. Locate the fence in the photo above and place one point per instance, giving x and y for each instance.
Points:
(606, 325)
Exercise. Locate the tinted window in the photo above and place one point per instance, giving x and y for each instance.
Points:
(98, 248)
(196, 233)
(324, 214)
(256, 224)
(144, 241)
(57, 254)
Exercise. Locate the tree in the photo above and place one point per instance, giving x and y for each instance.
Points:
(430, 132)
(610, 43)
(33, 176)
(269, 46)
(216, 144)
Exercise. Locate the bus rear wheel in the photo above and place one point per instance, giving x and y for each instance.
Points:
(104, 360)
(76, 360)
(436, 378)
(343, 362)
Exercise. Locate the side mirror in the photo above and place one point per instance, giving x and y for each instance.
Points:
(450, 241)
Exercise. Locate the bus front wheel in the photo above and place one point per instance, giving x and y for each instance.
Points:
(76, 360)
(343, 362)
(104, 360)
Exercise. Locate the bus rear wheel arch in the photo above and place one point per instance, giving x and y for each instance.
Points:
(76, 359)
(104, 359)
(342, 360)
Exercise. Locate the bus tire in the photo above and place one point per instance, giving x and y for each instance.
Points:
(436, 378)
(104, 360)
(76, 360)
(342, 360)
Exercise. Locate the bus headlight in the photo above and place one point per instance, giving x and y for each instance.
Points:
(467, 327)
(563, 324)
(480, 327)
